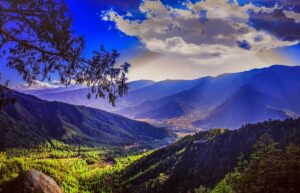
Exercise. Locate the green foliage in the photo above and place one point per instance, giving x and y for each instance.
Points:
(269, 169)
(86, 172)
(201, 189)
(222, 187)
(162, 178)
(156, 183)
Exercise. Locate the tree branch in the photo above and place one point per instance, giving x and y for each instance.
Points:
(10, 37)
(28, 11)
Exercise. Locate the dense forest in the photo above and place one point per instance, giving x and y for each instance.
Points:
(204, 159)
(263, 157)
(269, 169)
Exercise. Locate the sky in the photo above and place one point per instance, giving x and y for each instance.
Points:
(188, 39)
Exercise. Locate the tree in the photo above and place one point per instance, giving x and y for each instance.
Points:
(37, 41)
(222, 187)
(201, 189)
(263, 164)
(269, 170)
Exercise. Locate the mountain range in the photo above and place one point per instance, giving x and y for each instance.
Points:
(228, 100)
(77, 95)
(33, 121)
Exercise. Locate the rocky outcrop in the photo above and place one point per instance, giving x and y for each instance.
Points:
(32, 181)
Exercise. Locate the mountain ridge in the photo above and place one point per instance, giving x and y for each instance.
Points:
(33, 120)
(281, 82)
(202, 97)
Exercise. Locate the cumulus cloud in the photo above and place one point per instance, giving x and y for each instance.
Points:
(204, 33)
(292, 15)
(38, 85)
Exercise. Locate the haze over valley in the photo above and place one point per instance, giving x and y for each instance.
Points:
(187, 106)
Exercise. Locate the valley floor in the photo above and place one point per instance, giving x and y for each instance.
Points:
(75, 169)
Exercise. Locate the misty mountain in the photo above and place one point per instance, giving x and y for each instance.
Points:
(139, 84)
(171, 109)
(144, 109)
(230, 100)
(77, 95)
(247, 106)
(49, 91)
(227, 100)
(159, 90)
(33, 121)
(139, 92)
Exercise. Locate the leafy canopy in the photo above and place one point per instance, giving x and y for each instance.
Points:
(269, 170)
(36, 40)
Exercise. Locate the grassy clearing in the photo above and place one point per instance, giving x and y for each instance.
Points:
(76, 170)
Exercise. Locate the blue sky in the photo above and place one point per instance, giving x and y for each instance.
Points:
(281, 35)
(187, 39)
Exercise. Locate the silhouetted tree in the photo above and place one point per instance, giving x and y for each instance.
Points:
(37, 41)
(268, 170)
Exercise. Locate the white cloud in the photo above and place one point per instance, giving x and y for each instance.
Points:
(39, 85)
(177, 67)
(292, 15)
(179, 33)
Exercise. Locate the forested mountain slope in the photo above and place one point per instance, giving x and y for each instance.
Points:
(31, 121)
(203, 159)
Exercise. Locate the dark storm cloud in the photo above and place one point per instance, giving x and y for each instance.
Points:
(277, 24)
(285, 4)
